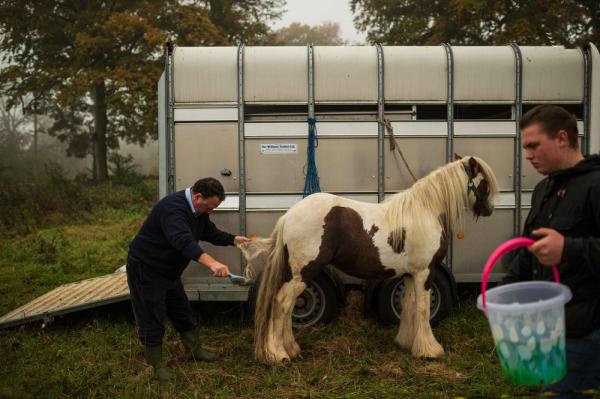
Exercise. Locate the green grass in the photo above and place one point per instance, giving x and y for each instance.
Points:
(96, 353)
(34, 263)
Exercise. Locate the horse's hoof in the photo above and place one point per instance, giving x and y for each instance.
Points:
(294, 351)
(404, 343)
(432, 352)
(272, 358)
(278, 360)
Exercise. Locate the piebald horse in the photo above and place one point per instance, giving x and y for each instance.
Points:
(405, 235)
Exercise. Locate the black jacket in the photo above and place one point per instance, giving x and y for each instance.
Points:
(569, 202)
(169, 237)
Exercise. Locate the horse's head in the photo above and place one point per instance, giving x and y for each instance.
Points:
(481, 185)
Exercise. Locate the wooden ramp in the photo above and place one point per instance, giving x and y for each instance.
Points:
(69, 298)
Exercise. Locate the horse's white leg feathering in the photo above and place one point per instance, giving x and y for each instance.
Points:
(406, 332)
(424, 344)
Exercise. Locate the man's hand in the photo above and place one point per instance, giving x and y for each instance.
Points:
(219, 269)
(549, 248)
(241, 240)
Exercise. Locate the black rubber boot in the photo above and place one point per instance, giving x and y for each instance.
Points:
(154, 358)
(193, 349)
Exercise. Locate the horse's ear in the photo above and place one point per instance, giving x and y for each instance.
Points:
(457, 157)
(474, 166)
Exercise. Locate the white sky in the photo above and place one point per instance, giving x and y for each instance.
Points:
(315, 12)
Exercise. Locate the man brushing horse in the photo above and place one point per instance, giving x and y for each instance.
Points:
(165, 244)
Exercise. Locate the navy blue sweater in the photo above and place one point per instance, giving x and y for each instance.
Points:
(169, 237)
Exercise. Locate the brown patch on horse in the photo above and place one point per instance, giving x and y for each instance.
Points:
(399, 247)
(481, 205)
(374, 229)
(348, 246)
(437, 258)
(475, 168)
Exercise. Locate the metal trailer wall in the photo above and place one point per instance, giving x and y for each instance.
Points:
(216, 125)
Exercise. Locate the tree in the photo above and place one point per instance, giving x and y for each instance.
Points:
(244, 21)
(296, 34)
(478, 22)
(93, 65)
(14, 137)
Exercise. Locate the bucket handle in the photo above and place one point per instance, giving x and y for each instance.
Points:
(501, 251)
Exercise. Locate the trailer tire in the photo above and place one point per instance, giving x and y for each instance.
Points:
(389, 294)
(319, 303)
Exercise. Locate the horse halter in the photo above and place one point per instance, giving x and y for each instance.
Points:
(479, 196)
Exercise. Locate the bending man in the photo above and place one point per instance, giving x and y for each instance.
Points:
(165, 244)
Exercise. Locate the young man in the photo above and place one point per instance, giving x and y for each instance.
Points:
(565, 221)
(162, 249)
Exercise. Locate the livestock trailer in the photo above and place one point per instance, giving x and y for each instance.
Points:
(240, 114)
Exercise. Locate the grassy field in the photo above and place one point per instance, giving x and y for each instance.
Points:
(96, 353)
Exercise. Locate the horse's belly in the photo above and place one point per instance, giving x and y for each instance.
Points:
(366, 267)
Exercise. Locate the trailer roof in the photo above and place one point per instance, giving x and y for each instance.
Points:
(350, 74)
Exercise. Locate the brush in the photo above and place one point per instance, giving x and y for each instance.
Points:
(240, 280)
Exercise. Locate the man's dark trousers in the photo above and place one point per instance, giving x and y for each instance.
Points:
(583, 369)
(153, 300)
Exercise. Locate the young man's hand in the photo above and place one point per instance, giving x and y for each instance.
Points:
(549, 248)
(241, 240)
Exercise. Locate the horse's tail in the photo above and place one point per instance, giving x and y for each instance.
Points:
(271, 280)
(254, 252)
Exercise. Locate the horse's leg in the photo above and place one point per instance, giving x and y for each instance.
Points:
(277, 352)
(281, 343)
(406, 332)
(424, 343)
(288, 299)
(289, 342)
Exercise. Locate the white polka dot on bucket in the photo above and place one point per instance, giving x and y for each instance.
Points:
(546, 345)
(504, 350)
(531, 343)
(514, 337)
(497, 332)
(541, 328)
(524, 352)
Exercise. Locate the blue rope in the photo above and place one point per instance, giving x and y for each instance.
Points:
(311, 184)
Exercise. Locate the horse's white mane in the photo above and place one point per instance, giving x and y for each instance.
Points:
(441, 194)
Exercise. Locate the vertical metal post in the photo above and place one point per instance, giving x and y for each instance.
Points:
(311, 82)
(450, 138)
(587, 79)
(241, 146)
(380, 126)
(170, 120)
(450, 103)
(517, 178)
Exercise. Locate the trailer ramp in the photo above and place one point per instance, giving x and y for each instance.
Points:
(70, 298)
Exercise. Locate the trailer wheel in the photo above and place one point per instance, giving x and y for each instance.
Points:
(388, 299)
(318, 303)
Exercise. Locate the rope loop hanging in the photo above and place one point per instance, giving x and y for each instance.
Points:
(311, 184)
